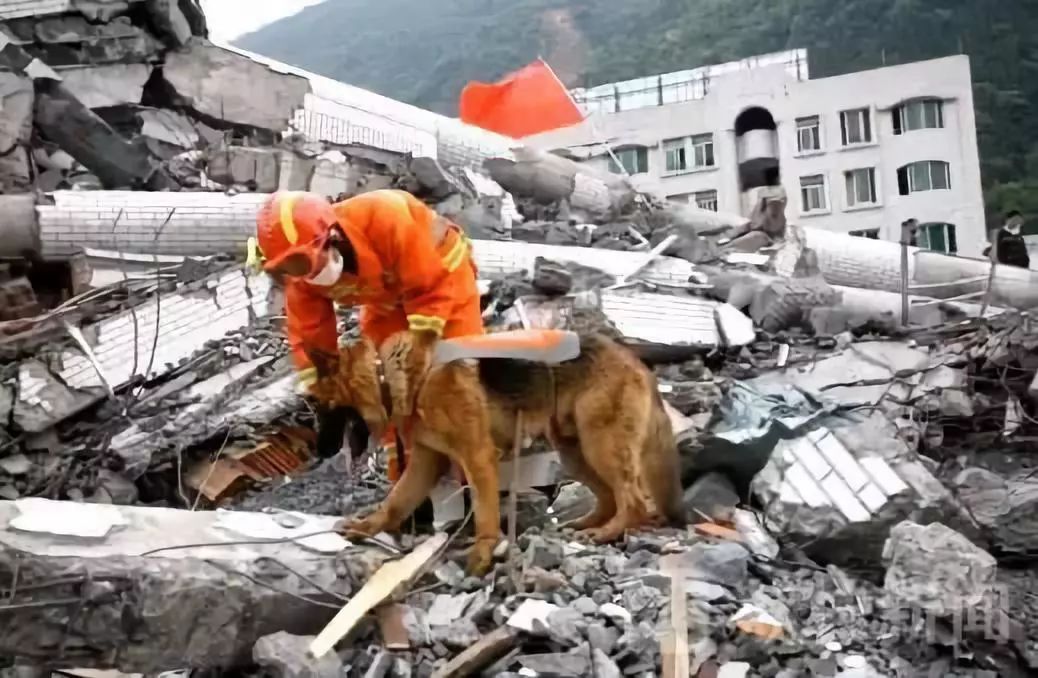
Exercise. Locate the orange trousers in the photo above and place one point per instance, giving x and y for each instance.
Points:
(466, 319)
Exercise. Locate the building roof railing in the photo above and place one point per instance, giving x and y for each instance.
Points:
(679, 86)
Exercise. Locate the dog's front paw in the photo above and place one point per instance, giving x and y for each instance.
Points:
(481, 557)
(602, 535)
(363, 527)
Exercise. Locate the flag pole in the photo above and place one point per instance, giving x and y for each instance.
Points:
(598, 138)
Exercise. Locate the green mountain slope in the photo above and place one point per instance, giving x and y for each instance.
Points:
(423, 51)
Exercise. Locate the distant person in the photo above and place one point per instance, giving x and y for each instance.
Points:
(912, 226)
(1010, 248)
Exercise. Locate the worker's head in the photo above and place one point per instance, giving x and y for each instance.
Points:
(299, 236)
(1014, 220)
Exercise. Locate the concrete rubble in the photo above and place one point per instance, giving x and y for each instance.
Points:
(831, 455)
(108, 586)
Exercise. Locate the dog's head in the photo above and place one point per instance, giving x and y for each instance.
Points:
(350, 379)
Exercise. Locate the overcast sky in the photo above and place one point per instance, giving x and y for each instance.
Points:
(229, 19)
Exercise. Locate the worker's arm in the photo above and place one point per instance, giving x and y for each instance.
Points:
(310, 327)
(412, 253)
(423, 271)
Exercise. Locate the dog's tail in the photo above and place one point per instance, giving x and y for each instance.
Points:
(662, 465)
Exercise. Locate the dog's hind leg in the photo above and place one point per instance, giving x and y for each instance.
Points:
(419, 477)
(481, 470)
(662, 470)
(573, 461)
(612, 433)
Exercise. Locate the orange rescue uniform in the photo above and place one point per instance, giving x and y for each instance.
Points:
(414, 272)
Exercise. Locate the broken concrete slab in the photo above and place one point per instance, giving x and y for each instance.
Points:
(107, 85)
(842, 487)
(191, 424)
(786, 302)
(70, 40)
(229, 88)
(43, 398)
(1006, 508)
(711, 497)
(64, 120)
(867, 372)
(287, 656)
(170, 21)
(16, 107)
(150, 593)
(255, 168)
(936, 568)
(169, 127)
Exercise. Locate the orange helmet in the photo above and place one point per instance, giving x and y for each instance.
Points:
(292, 228)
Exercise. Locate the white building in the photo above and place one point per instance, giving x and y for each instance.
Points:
(857, 153)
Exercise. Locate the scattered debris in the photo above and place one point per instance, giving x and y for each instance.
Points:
(825, 446)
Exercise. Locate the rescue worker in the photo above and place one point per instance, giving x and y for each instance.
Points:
(408, 268)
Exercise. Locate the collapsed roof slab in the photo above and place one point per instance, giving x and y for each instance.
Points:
(231, 88)
(109, 587)
(145, 340)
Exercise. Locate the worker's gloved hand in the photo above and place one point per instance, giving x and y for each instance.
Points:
(406, 358)
(328, 386)
(327, 391)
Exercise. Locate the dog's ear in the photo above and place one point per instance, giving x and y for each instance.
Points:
(325, 363)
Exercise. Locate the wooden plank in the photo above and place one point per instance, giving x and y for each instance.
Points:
(377, 589)
(391, 626)
(485, 652)
(674, 645)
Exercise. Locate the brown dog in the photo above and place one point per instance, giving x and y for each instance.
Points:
(601, 411)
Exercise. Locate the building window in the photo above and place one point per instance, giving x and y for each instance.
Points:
(861, 186)
(809, 134)
(812, 193)
(699, 149)
(676, 153)
(706, 200)
(919, 114)
(928, 175)
(937, 237)
(634, 160)
(870, 233)
(703, 150)
(856, 126)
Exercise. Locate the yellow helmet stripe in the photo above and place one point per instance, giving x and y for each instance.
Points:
(288, 224)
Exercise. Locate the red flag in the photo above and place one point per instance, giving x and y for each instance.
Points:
(528, 101)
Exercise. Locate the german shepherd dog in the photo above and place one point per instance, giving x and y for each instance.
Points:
(602, 411)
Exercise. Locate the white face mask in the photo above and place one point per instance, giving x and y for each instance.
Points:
(332, 271)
